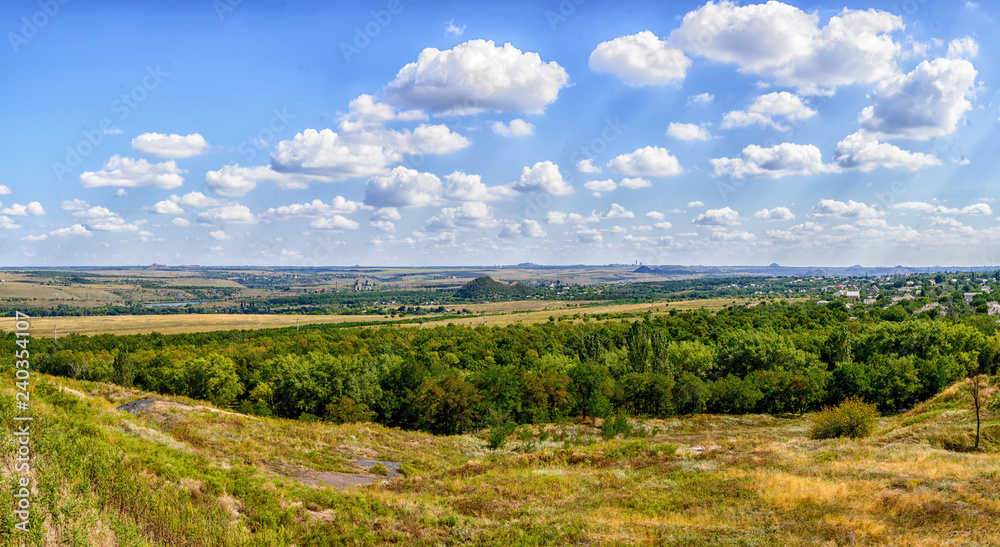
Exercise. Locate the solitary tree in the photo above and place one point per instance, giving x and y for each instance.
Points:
(975, 386)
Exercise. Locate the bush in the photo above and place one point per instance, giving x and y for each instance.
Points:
(851, 418)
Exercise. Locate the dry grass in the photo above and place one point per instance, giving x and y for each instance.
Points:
(499, 314)
(706, 480)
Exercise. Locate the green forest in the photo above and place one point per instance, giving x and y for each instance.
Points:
(771, 358)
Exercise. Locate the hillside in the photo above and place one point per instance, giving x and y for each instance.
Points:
(485, 287)
(181, 474)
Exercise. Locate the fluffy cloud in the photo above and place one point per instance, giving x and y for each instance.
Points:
(640, 59)
(600, 185)
(688, 132)
(180, 222)
(777, 161)
(635, 183)
(649, 161)
(928, 102)
(195, 199)
(862, 151)
(963, 48)
(169, 146)
(74, 230)
(525, 228)
(543, 176)
(4, 190)
(383, 226)
(974, 209)
(778, 213)
(587, 166)
(701, 98)
(403, 187)
(516, 128)
(589, 235)
(235, 181)
(696, 204)
(460, 186)
(559, 217)
(717, 217)
(364, 112)
(99, 218)
(851, 209)
(17, 210)
(233, 212)
(615, 211)
(782, 42)
(471, 214)
(733, 236)
(335, 223)
(131, 173)
(765, 108)
(316, 208)
(219, 235)
(167, 207)
(655, 215)
(387, 213)
(7, 224)
(325, 153)
(477, 76)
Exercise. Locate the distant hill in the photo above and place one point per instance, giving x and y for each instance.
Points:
(643, 269)
(486, 287)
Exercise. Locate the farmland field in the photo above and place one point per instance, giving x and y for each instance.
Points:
(498, 314)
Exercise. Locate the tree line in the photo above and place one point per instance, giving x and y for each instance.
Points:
(771, 358)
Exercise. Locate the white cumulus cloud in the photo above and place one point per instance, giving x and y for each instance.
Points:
(403, 187)
(649, 161)
(862, 151)
(640, 59)
(778, 161)
(784, 43)
(778, 213)
(688, 132)
(928, 102)
(543, 176)
(516, 128)
(134, 173)
(765, 108)
(169, 146)
(717, 217)
(477, 76)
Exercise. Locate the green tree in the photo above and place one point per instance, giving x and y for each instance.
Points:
(690, 394)
(691, 357)
(639, 347)
(213, 378)
(733, 395)
(124, 367)
(447, 404)
(591, 387)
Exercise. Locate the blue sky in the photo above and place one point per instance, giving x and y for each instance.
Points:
(458, 133)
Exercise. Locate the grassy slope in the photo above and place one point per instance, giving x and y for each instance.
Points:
(200, 478)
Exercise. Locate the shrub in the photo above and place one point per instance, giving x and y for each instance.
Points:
(619, 425)
(851, 418)
(497, 435)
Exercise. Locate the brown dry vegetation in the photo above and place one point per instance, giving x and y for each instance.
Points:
(704, 480)
(498, 314)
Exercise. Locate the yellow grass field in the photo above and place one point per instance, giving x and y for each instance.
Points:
(497, 314)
